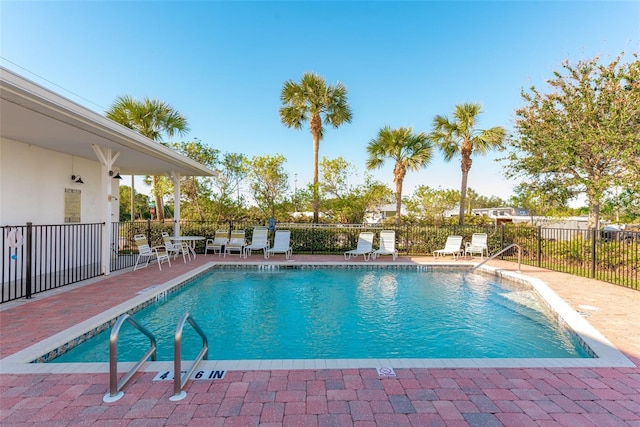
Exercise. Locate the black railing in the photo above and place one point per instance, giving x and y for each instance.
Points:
(37, 258)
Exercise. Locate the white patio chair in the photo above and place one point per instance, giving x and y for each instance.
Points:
(281, 245)
(364, 247)
(387, 245)
(175, 248)
(453, 246)
(236, 243)
(478, 245)
(147, 253)
(217, 243)
(259, 241)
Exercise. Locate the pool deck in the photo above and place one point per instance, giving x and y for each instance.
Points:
(544, 396)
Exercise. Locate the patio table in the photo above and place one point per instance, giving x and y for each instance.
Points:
(191, 242)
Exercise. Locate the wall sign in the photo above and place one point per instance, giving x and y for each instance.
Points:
(72, 203)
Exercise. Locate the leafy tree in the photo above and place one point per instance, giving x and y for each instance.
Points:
(140, 205)
(622, 205)
(409, 151)
(481, 201)
(336, 175)
(348, 203)
(432, 204)
(303, 202)
(231, 170)
(313, 100)
(196, 191)
(583, 136)
(460, 137)
(153, 119)
(539, 201)
(375, 195)
(268, 181)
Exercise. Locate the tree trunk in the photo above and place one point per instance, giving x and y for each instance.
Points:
(594, 212)
(315, 123)
(463, 197)
(399, 173)
(158, 200)
(465, 164)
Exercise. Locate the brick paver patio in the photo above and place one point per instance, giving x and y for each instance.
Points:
(325, 397)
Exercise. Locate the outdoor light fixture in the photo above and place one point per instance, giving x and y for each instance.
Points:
(74, 177)
(115, 174)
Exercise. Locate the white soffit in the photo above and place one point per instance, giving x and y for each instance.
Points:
(32, 114)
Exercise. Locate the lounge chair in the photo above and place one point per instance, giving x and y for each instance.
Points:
(217, 243)
(453, 246)
(147, 253)
(281, 245)
(364, 248)
(387, 245)
(175, 248)
(478, 245)
(259, 241)
(236, 243)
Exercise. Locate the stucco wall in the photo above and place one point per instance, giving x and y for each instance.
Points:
(33, 182)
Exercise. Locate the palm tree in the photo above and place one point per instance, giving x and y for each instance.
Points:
(460, 137)
(410, 151)
(311, 100)
(151, 118)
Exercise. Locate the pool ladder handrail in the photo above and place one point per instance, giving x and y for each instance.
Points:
(178, 380)
(115, 387)
(498, 253)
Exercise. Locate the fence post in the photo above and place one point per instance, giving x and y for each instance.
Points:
(539, 245)
(502, 239)
(406, 239)
(28, 265)
(149, 231)
(594, 235)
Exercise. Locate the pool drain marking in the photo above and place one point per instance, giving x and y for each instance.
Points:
(198, 375)
(386, 372)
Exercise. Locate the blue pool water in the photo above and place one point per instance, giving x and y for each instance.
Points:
(345, 313)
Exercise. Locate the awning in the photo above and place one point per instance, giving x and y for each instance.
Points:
(32, 114)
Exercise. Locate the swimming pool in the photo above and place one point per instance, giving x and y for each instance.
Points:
(344, 313)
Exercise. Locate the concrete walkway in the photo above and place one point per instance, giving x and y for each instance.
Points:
(327, 397)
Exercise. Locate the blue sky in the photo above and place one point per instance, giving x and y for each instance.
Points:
(223, 64)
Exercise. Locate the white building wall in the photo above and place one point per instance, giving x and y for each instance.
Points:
(33, 182)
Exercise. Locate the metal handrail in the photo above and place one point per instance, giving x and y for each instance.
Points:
(115, 387)
(178, 380)
(500, 252)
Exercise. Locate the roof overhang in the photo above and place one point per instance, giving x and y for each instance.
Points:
(32, 114)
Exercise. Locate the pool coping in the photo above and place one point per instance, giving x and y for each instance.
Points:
(607, 354)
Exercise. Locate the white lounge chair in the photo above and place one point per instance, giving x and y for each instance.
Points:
(281, 245)
(364, 248)
(453, 246)
(217, 243)
(478, 245)
(175, 248)
(147, 253)
(387, 245)
(236, 243)
(259, 241)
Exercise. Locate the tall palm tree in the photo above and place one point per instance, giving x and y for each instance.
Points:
(459, 136)
(151, 118)
(410, 151)
(313, 100)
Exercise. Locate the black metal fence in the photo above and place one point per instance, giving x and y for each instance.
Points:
(37, 258)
